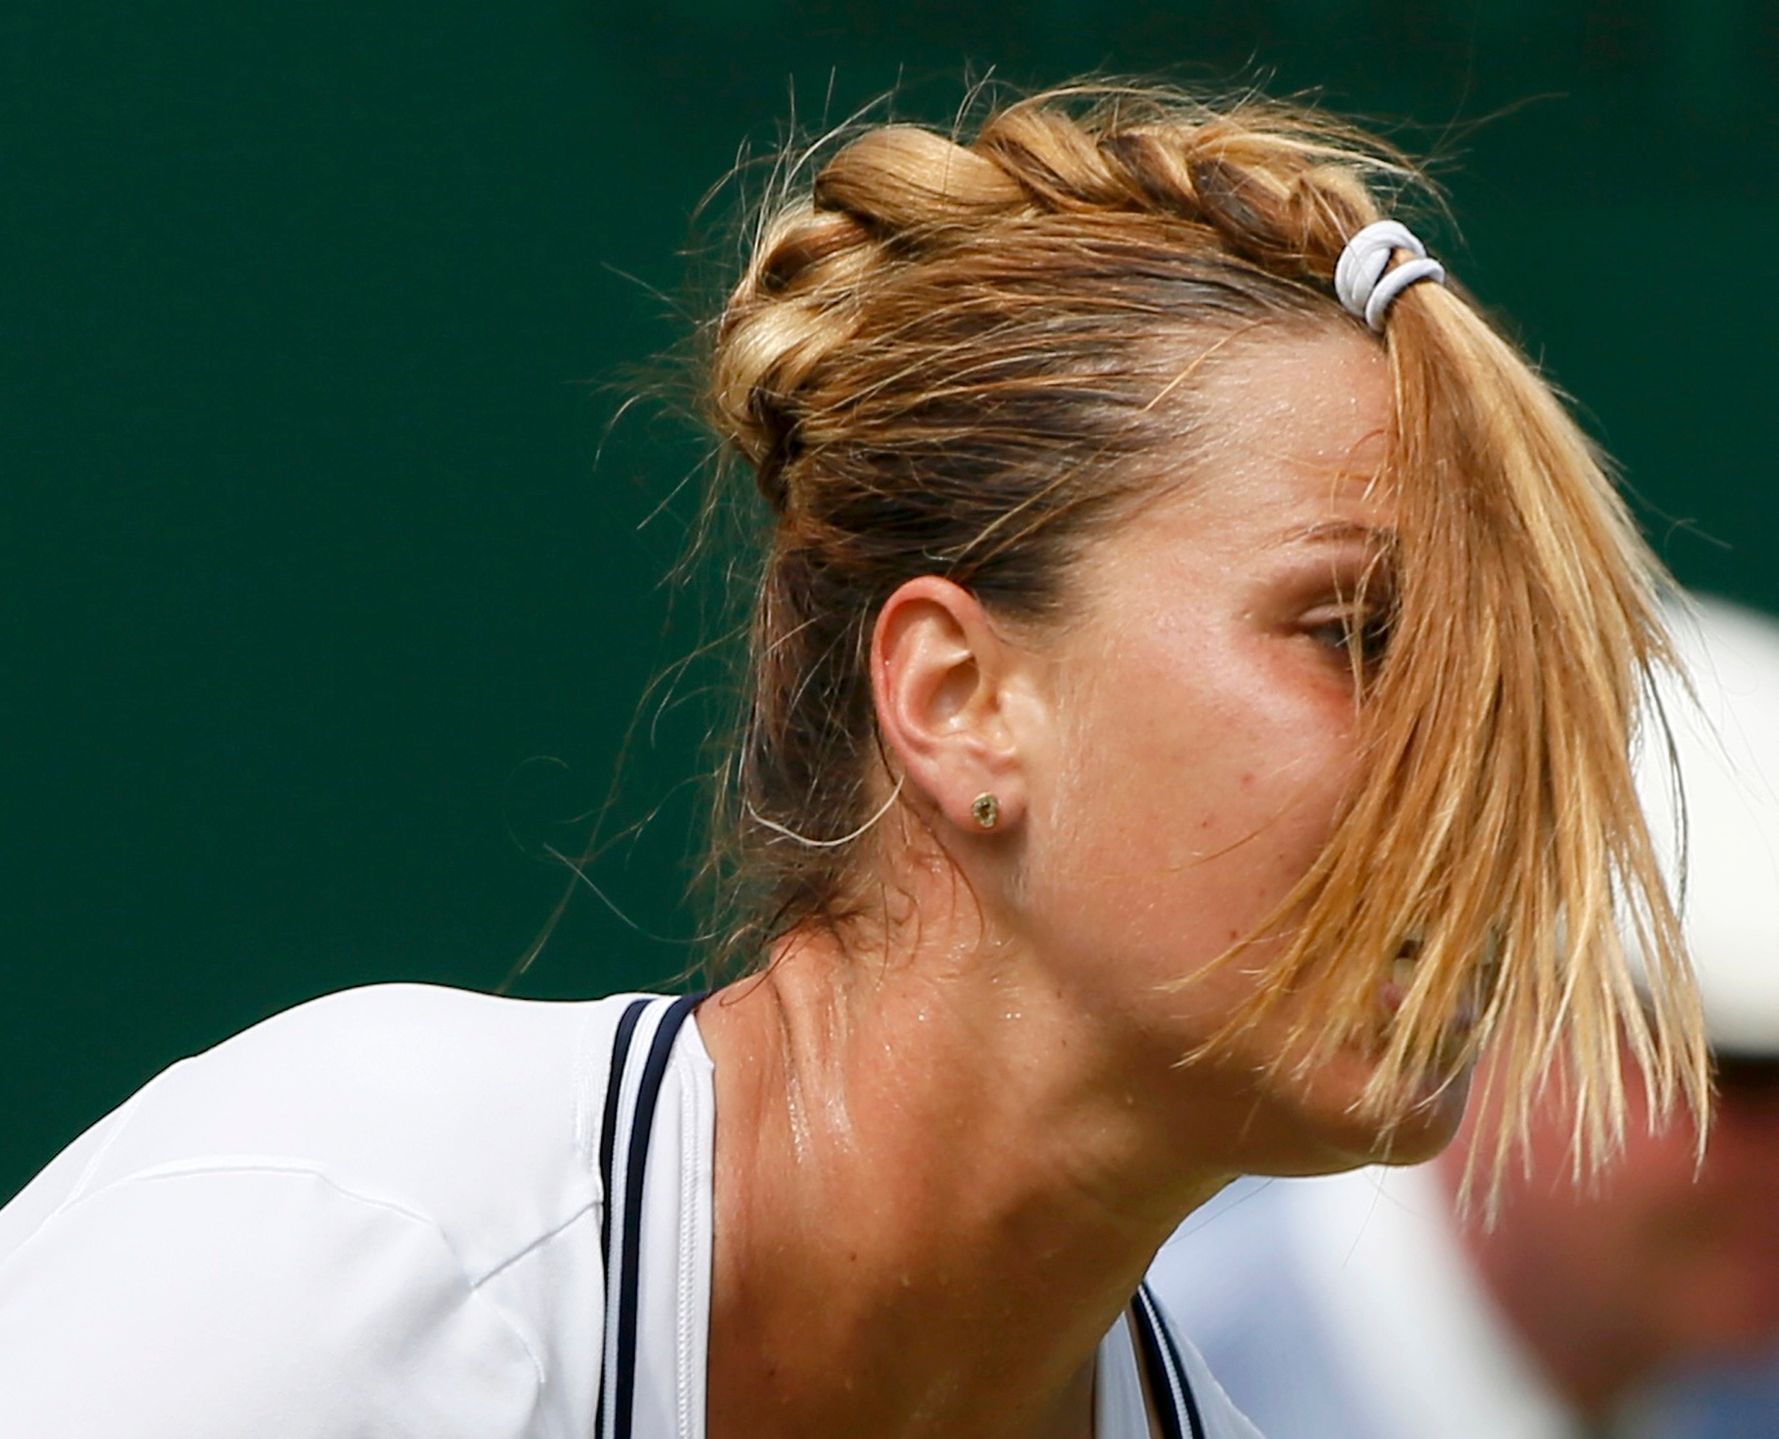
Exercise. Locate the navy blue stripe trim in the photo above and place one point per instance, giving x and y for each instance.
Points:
(608, 1134)
(1155, 1368)
(1173, 1353)
(629, 1274)
(1167, 1374)
(614, 1086)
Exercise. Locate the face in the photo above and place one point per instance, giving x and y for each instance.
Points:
(1206, 701)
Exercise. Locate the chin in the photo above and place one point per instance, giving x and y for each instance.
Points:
(1429, 1126)
(1345, 1137)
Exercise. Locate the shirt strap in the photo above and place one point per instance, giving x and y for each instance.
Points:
(1165, 1370)
(624, 1141)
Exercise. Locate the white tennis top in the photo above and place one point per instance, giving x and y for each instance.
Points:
(380, 1215)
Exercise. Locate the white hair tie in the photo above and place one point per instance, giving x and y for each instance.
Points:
(1363, 279)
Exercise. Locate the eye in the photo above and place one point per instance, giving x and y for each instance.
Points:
(1355, 634)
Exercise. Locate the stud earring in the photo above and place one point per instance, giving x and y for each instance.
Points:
(987, 810)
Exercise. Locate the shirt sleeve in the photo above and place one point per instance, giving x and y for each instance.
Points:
(223, 1297)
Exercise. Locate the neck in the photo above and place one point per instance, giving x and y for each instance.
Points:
(934, 1196)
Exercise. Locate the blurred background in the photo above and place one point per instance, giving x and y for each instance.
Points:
(338, 581)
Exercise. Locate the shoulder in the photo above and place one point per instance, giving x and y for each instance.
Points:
(478, 1111)
(219, 1298)
(384, 1202)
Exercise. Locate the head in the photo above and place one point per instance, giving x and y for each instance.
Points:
(1668, 1261)
(1302, 660)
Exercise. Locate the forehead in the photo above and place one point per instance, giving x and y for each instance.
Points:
(1319, 405)
(1294, 436)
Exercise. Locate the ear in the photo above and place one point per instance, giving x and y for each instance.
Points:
(951, 701)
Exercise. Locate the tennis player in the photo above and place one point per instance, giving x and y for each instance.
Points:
(1194, 665)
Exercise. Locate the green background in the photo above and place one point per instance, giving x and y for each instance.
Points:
(333, 596)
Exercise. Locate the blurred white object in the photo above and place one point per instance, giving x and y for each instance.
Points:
(1727, 747)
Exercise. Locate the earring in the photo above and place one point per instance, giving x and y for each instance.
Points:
(987, 810)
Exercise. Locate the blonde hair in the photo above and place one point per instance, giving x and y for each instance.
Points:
(949, 354)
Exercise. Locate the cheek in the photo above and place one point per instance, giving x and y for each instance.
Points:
(1200, 784)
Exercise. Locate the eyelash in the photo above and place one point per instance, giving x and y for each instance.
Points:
(1368, 631)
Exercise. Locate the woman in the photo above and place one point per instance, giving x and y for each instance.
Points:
(1191, 691)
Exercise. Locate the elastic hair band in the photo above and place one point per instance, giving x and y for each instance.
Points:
(1363, 278)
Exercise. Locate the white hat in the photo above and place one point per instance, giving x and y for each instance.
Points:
(1727, 748)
